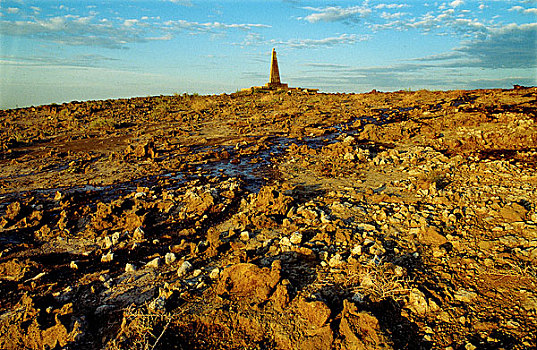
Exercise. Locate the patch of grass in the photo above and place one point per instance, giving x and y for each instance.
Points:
(101, 123)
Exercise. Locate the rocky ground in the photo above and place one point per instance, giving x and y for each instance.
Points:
(271, 220)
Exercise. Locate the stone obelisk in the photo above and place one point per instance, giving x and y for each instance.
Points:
(274, 82)
(274, 71)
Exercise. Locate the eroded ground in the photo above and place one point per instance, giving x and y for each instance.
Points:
(271, 220)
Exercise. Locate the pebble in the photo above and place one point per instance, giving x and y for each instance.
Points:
(153, 263)
(169, 258)
(185, 268)
(296, 238)
(107, 257)
(214, 273)
(130, 268)
(245, 235)
(73, 265)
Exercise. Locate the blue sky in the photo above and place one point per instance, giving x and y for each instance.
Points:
(58, 51)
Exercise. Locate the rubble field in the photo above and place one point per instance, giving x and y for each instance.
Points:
(271, 220)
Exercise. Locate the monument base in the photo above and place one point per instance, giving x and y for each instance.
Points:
(276, 86)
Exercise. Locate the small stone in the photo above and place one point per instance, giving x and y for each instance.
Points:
(356, 250)
(153, 263)
(245, 235)
(197, 272)
(358, 298)
(139, 234)
(115, 238)
(107, 242)
(296, 238)
(465, 296)
(73, 265)
(107, 257)
(417, 302)
(58, 196)
(348, 140)
(169, 258)
(335, 261)
(285, 241)
(184, 268)
(349, 156)
(214, 273)
(130, 268)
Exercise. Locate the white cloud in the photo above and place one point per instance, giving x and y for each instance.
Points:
(532, 11)
(182, 2)
(336, 13)
(390, 6)
(13, 10)
(456, 3)
(343, 39)
(209, 26)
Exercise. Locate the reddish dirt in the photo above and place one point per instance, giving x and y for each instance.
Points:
(271, 220)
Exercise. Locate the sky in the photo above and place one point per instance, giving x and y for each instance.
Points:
(60, 51)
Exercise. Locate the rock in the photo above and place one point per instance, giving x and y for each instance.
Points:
(155, 263)
(335, 261)
(15, 269)
(513, 212)
(361, 330)
(245, 236)
(214, 273)
(316, 313)
(248, 281)
(13, 210)
(107, 257)
(73, 265)
(417, 302)
(465, 296)
(271, 202)
(296, 238)
(431, 235)
(169, 258)
(130, 268)
(139, 234)
(185, 268)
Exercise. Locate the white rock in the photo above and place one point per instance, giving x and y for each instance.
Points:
(106, 242)
(417, 302)
(153, 263)
(349, 156)
(130, 268)
(197, 272)
(348, 139)
(214, 273)
(245, 235)
(285, 241)
(356, 250)
(184, 268)
(335, 261)
(115, 238)
(73, 265)
(107, 257)
(465, 296)
(296, 238)
(169, 258)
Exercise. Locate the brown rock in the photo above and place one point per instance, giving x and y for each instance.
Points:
(431, 235)
(272, 202)
(513, 212)
(316, 313)
(360, 329)
(13, 210)
(248, 281)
